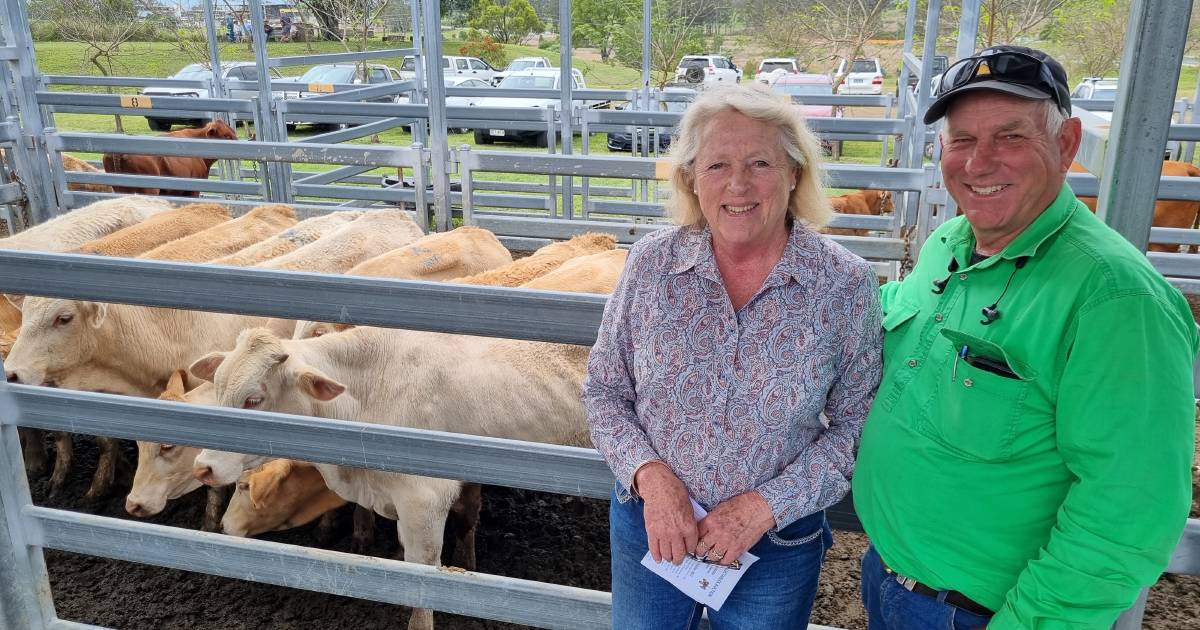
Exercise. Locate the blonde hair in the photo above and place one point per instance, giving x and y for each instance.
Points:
(806, 203)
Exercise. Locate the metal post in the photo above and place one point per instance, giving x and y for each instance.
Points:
(25, 600)
(439, 152)
(1142, 116)
(1190, 147)
(278, 188)
(968, 29)
(39, 187)
(1132, 619)
(420, 133)
(917, 148)
(566, 104)
(230, 169)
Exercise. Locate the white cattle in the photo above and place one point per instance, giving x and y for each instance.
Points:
(289, 240)
(542, 261)
(228, 237)
(69, 231)
(368, 236)
(460, 252)
(161, 228)
(594, 273)
(501, 388)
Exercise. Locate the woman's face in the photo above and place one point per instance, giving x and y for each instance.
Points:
(743, 178)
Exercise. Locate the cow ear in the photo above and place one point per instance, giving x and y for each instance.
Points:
(97, 313)
(279, 357)
(205, 367)
(15, 300)
(264, 484)
(318, 386)
(177, 384)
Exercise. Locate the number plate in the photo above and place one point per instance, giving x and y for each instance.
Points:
(136, 102)
(496, 132)
(858, 80)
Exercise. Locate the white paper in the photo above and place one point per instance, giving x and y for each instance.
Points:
(709, 584)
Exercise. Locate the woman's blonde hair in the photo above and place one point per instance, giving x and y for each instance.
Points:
(807, 202)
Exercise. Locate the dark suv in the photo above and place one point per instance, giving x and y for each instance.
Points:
(940, 63)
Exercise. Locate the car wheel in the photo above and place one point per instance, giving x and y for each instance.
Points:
(482, 137)
(158, 124)
(541, 139)
(694, 75)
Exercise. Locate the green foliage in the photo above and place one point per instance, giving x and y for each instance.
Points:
(486, 49)
(598, 23)
(670, 39)
(508, 23)
(548, 45)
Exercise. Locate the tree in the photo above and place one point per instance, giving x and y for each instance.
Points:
(508, 23)
(345, 20)
(1005, 21)
(676, 29)
(840, 26)
(599, 22)
(1092, 35)
(102, 26)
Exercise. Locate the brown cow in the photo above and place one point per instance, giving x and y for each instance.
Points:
(169, 166)
(863, 202)
(1167, 213)
(72, 163)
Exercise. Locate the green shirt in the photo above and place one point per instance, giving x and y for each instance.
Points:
(1054, 494)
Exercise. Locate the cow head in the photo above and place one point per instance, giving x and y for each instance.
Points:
(164, 471)
(280, 494)
(218, 130)
(259, 373)
(57, 339)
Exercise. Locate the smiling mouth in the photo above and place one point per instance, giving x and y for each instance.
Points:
(988, 190)
(739, 209)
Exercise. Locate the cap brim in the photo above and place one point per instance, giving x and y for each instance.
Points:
(938, 108)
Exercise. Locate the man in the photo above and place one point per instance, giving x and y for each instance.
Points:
(1026, 463)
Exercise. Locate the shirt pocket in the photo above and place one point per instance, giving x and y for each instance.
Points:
(974, 411)
(896, 320)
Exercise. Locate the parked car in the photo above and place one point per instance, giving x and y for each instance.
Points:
(230, 71)
(345, 74)
(453, 66)
(801, 85)
(695, 69)
(1096, 88)
(623, 140)
(518, 64)
(537, 78)
(457, 101)
(771, 68)
(861, 76)
(940, 63)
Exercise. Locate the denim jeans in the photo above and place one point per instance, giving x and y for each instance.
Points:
(890, 606)
(776, 593)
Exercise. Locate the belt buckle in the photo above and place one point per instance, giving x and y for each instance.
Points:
(907, 582)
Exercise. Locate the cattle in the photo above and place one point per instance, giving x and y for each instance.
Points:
(157, 230)
(289, 240)
(460, 252)
(594, 273)
(502, 388)
(862, 202)
(542, 261)
(72, 163)
(370, 235)
(71, 230)
(1167, 213)
(164, 471)
(169, 166)
(227, 237)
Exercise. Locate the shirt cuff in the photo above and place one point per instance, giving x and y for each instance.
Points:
(633, 478)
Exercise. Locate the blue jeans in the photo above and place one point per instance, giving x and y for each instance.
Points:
(776, 593)
(890, 606)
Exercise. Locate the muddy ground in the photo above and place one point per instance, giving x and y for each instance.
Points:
(522, 534)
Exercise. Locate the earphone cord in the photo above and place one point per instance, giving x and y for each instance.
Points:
(1020, 263)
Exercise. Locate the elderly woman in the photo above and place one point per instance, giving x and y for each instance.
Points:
(735, 365)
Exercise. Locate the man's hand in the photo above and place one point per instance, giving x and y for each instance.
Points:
(670, 523)
(733, 527)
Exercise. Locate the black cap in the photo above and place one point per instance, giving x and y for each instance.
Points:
(1041, 78)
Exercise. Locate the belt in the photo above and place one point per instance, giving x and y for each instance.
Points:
(954, 598)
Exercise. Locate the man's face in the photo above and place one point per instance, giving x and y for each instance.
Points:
(1000, 165)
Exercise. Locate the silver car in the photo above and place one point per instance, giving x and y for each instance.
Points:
(230, 71)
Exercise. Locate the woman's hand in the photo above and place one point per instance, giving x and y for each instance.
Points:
(733, 527)
(670, 522)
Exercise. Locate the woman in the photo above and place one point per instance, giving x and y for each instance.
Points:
(726, 340)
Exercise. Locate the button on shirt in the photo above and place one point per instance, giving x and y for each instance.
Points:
(733, 401)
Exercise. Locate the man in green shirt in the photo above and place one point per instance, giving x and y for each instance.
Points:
(1026, 463)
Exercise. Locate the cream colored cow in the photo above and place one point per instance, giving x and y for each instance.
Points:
(228, 237)
(460, 252)
(594, 273)
(542, 261)
(366, 237)
(161, 228)
(69, 231)
(289, 240)
(502, 388)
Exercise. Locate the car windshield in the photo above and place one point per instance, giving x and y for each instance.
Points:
(677, 107)
(527, 82)
(328, 74)
(771, 66)
(804, 88)
(521, 64)
(694, 63)
(409, 65)
(193, 73)
(1105, 93)
(862, 65)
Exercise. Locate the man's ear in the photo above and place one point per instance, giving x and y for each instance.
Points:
(205, 367)
(1069, 138)
(318, 386)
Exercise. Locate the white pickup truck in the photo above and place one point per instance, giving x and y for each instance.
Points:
(534, 79)
(518, 64)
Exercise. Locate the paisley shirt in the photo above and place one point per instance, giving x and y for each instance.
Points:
(769, 398)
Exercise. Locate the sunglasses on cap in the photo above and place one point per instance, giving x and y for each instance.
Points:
(1007, 66)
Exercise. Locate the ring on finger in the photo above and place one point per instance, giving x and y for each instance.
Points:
(715, 556)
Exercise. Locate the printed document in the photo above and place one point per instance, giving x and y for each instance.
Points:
(706, 583)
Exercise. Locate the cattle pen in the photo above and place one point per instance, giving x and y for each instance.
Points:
(34, 187)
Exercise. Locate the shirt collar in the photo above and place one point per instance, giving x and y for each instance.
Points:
(695, 252)
(961, 240)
